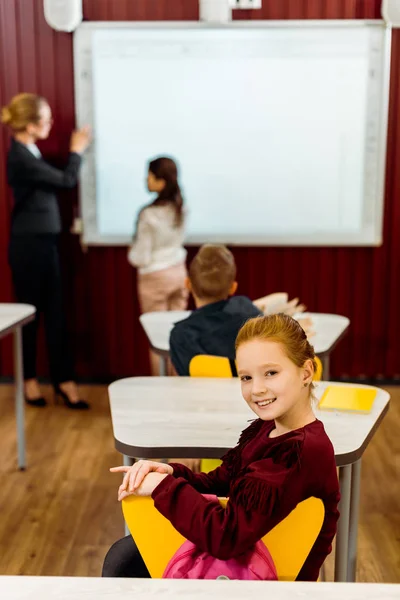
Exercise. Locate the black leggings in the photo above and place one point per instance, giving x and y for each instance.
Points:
(123, 560)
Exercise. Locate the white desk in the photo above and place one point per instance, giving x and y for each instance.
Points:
(12, 318)
(157, 327)
(96, 588)
(187, 417)
(329, 330)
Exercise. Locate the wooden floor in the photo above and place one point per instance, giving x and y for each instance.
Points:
(61, 515)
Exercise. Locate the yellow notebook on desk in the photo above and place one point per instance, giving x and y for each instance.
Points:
(353, 399)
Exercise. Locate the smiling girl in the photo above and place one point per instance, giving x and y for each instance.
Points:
(282, 458)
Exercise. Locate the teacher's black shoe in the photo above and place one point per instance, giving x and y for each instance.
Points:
(79, 405)
(36, 401)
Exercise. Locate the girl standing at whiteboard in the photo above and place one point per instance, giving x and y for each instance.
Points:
(35, 226)
(157, 249)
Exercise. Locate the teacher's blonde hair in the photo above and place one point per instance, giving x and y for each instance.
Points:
(22, 110)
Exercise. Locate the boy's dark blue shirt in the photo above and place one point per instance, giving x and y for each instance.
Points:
(211, 329)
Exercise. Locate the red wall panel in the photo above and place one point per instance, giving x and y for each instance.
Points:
(361, 283)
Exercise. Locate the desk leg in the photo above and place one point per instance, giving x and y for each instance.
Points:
(163, 365)
(353, 522)
(342, 536)
(326, 363)
(128, 461)
(19, 397)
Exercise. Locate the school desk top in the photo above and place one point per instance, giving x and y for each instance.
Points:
(97, 588)
(329, 329)
(189, 417)
(14, 315)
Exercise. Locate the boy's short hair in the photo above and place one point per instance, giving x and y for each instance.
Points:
(212, 272)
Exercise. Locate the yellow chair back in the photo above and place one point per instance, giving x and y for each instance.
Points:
(209, 464)
(289, 542)
(318, 372)
(204, 365)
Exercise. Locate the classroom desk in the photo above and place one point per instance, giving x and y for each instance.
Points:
(329, 330)
(12, 318)
(97, 588)
(188, 417)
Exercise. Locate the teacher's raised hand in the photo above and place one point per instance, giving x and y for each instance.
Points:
(80, 140)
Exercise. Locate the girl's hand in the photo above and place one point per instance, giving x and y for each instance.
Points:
(134, 475)
(147, 487)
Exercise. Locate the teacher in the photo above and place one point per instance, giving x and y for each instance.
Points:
(33, 251)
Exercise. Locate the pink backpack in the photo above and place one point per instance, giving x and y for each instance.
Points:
(191, 563)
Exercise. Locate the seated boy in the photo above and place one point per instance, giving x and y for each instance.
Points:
(213, 327)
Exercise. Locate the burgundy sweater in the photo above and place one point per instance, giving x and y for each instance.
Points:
(265, 478)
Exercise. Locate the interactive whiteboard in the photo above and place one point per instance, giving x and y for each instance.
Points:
(279, 128)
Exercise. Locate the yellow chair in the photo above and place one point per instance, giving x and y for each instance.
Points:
(204, 365)
(318, 372)
(209, 464)
(289, 542)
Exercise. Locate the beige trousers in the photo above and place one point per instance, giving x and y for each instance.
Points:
(163, 290)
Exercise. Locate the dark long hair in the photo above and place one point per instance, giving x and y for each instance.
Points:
(165, 168)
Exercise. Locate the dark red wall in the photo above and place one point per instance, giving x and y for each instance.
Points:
(362, 283)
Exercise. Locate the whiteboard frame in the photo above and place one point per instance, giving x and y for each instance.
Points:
(84, 115)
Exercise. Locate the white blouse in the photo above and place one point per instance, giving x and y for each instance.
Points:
(158, 242)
